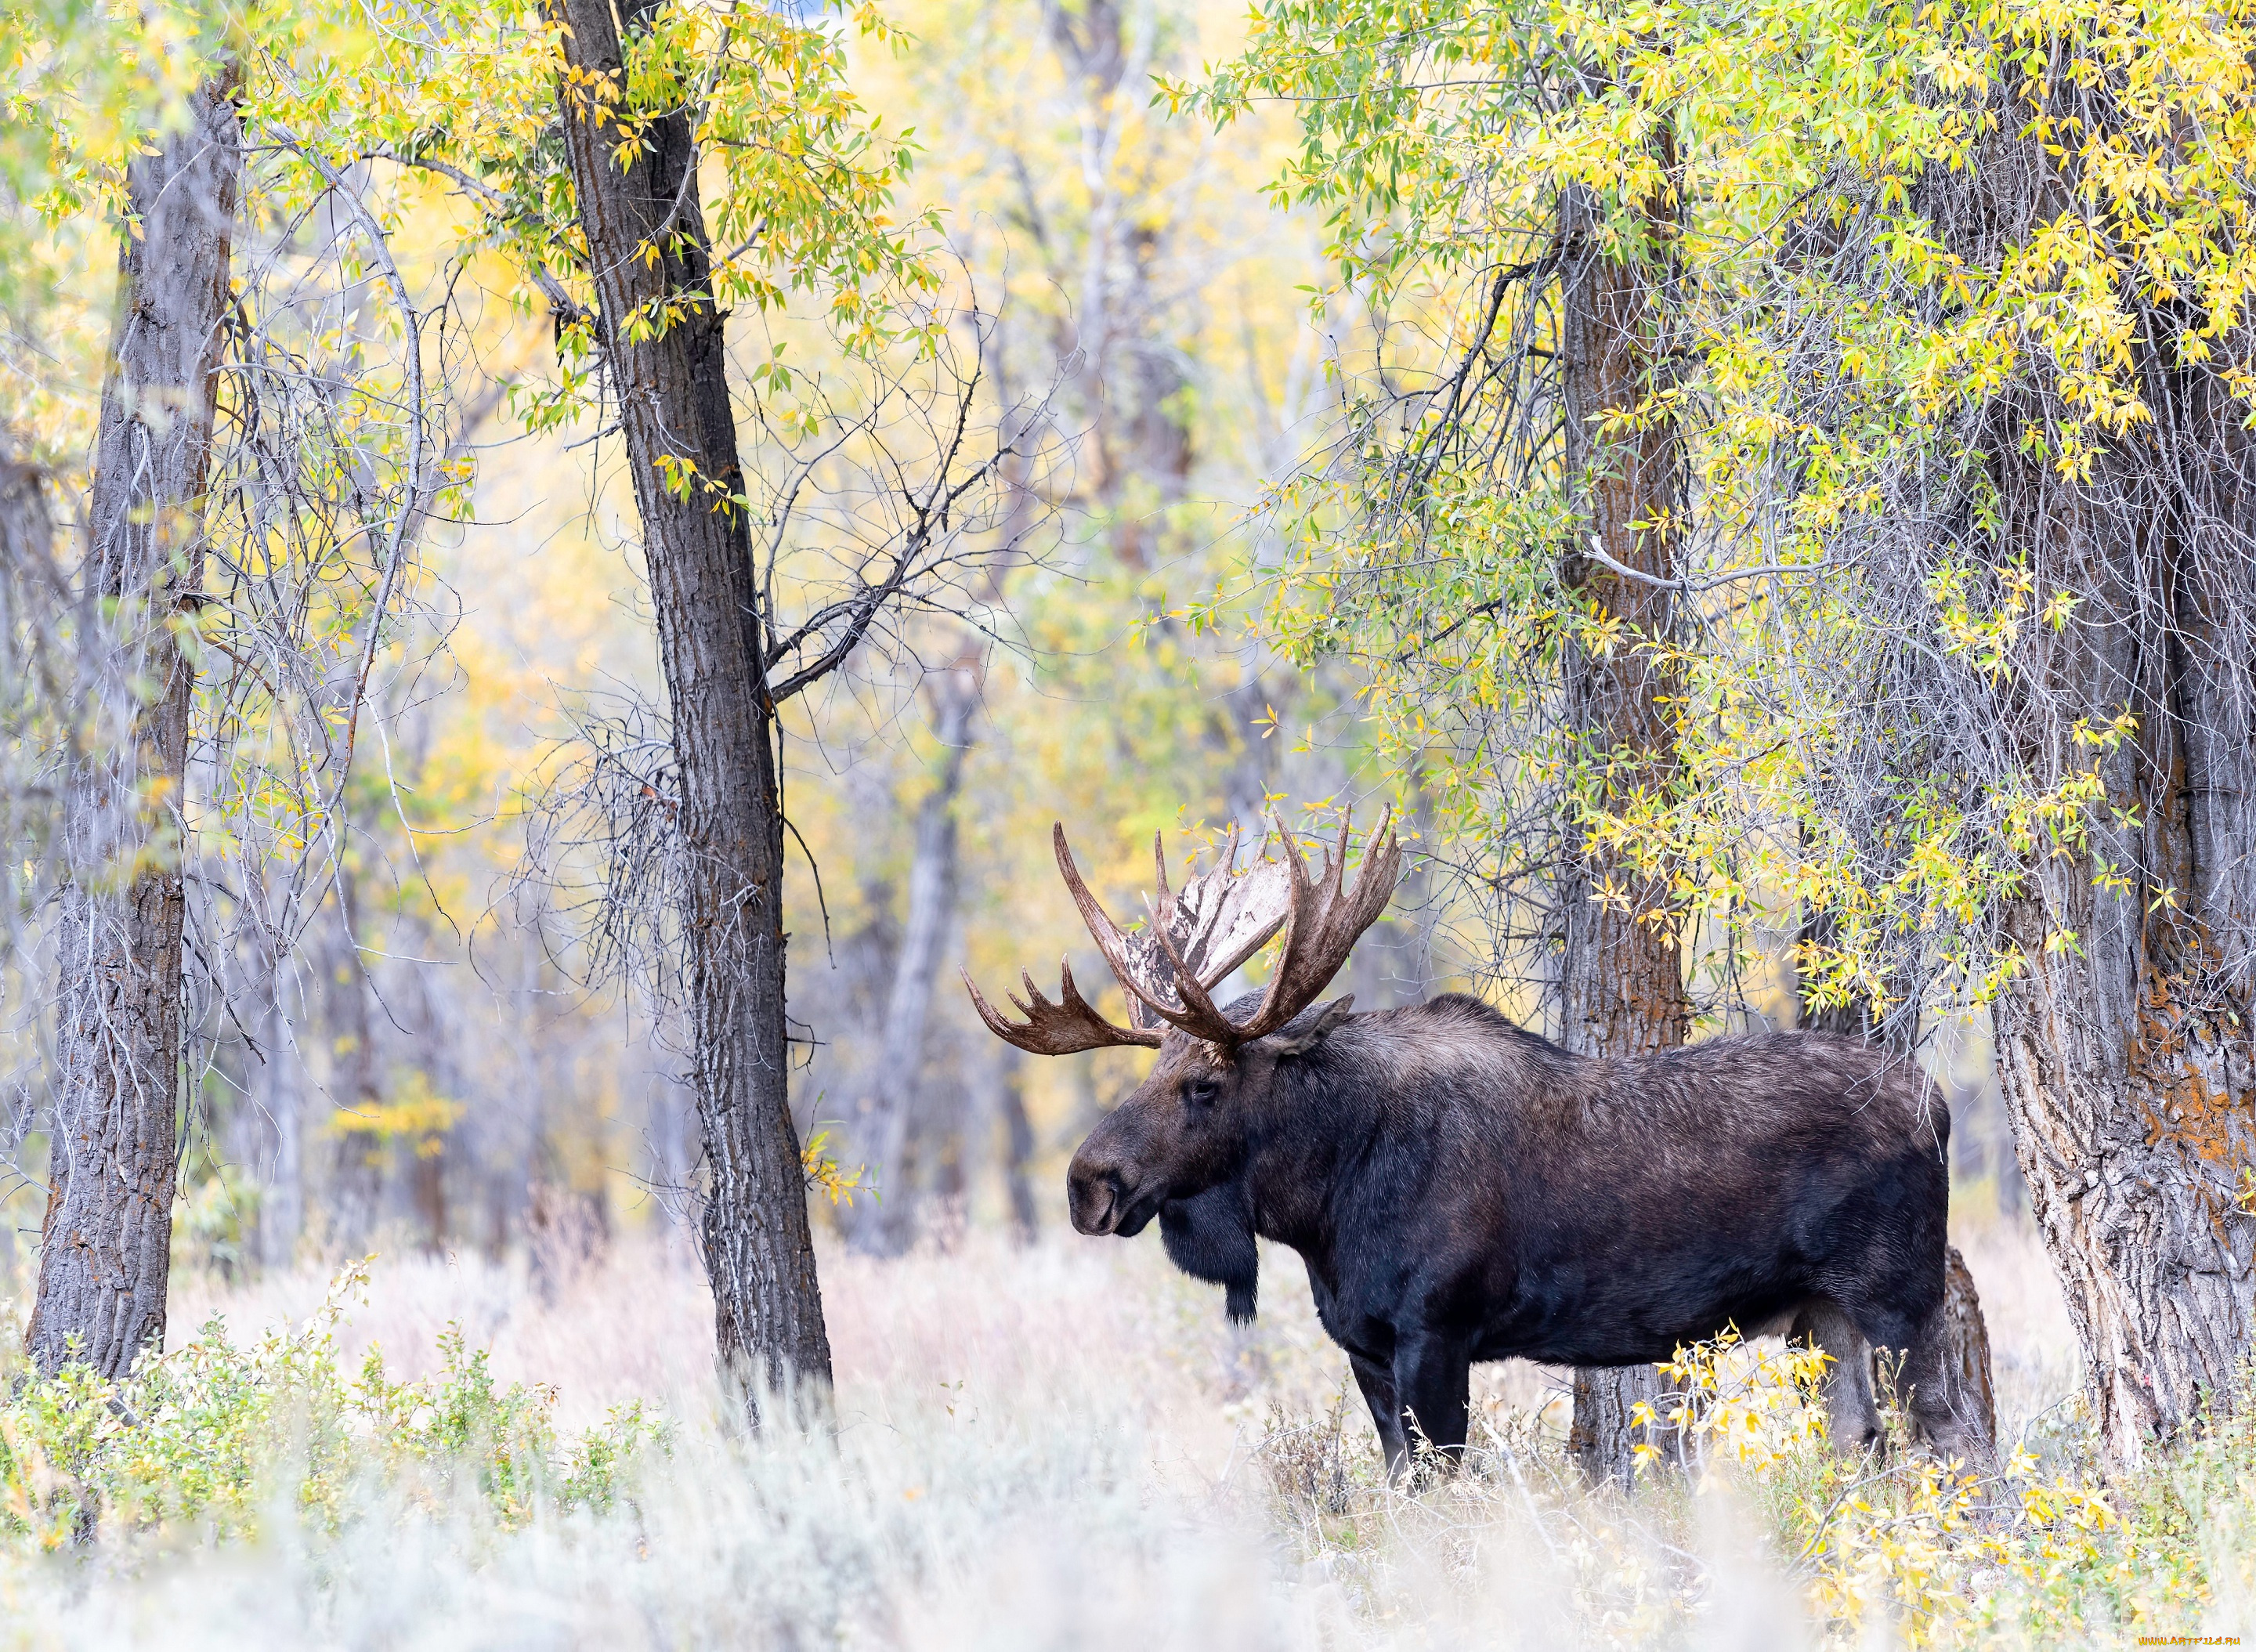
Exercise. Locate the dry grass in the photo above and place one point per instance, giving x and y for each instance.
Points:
(1059, 1446)
(983, 1323)
(993, 1320)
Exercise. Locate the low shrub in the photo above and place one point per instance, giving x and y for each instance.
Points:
(204, 1437)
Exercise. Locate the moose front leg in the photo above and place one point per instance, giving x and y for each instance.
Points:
(1432, 1386)
(1376, 1379)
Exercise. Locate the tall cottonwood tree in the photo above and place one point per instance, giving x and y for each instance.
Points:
(2128, 1054)
(105, 1258)
(2126, 1031)
(912, 538)
(1621, 970)
(255, 503)
(661, 328)
(1986, 686)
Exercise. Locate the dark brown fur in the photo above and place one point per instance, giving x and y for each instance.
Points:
(1462, 1189)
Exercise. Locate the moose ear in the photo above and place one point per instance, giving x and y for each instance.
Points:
(1308, 1030)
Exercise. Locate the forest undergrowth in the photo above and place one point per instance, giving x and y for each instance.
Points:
(1058, 1445)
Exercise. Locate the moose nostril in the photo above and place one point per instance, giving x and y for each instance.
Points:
(1092, 1196)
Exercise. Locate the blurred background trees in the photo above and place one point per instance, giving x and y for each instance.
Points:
(395, 1036)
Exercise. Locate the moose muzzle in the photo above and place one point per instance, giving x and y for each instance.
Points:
(1100, 1201)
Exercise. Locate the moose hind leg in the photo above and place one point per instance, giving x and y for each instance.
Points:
(1852, 1412)
(1946, 1413)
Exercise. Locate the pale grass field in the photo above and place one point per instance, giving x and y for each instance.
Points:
(1062, 1446)
(986, 1318)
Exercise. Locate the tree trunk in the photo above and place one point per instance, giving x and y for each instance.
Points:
(357, 1141)
(1968, 1338)
(429, 1184)
(1852, 1019)
(27, 527)
(27, 542)
(106, 1242)
(2126, 1057)
(888, 1224)
(282, 1212)
(1017, 1143)
(648, 252)
(437, 1141)
(2123, 1039)
(1621, 981)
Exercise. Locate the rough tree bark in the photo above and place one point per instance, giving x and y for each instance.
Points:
(648, 249)
(105, 1246)
(2126, 1042)
(1621, 980)
(2126, 1058)
(1968, 1338)
(887, 1224)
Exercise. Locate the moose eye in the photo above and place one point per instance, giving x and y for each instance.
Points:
(1200, 1092)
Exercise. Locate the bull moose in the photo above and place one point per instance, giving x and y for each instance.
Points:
(1462, 1189)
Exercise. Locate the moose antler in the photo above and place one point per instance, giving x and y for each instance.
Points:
(1063, 1029)
(1197, 937)
(1326, 920)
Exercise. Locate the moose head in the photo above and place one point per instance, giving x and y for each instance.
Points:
(1184, 1129)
